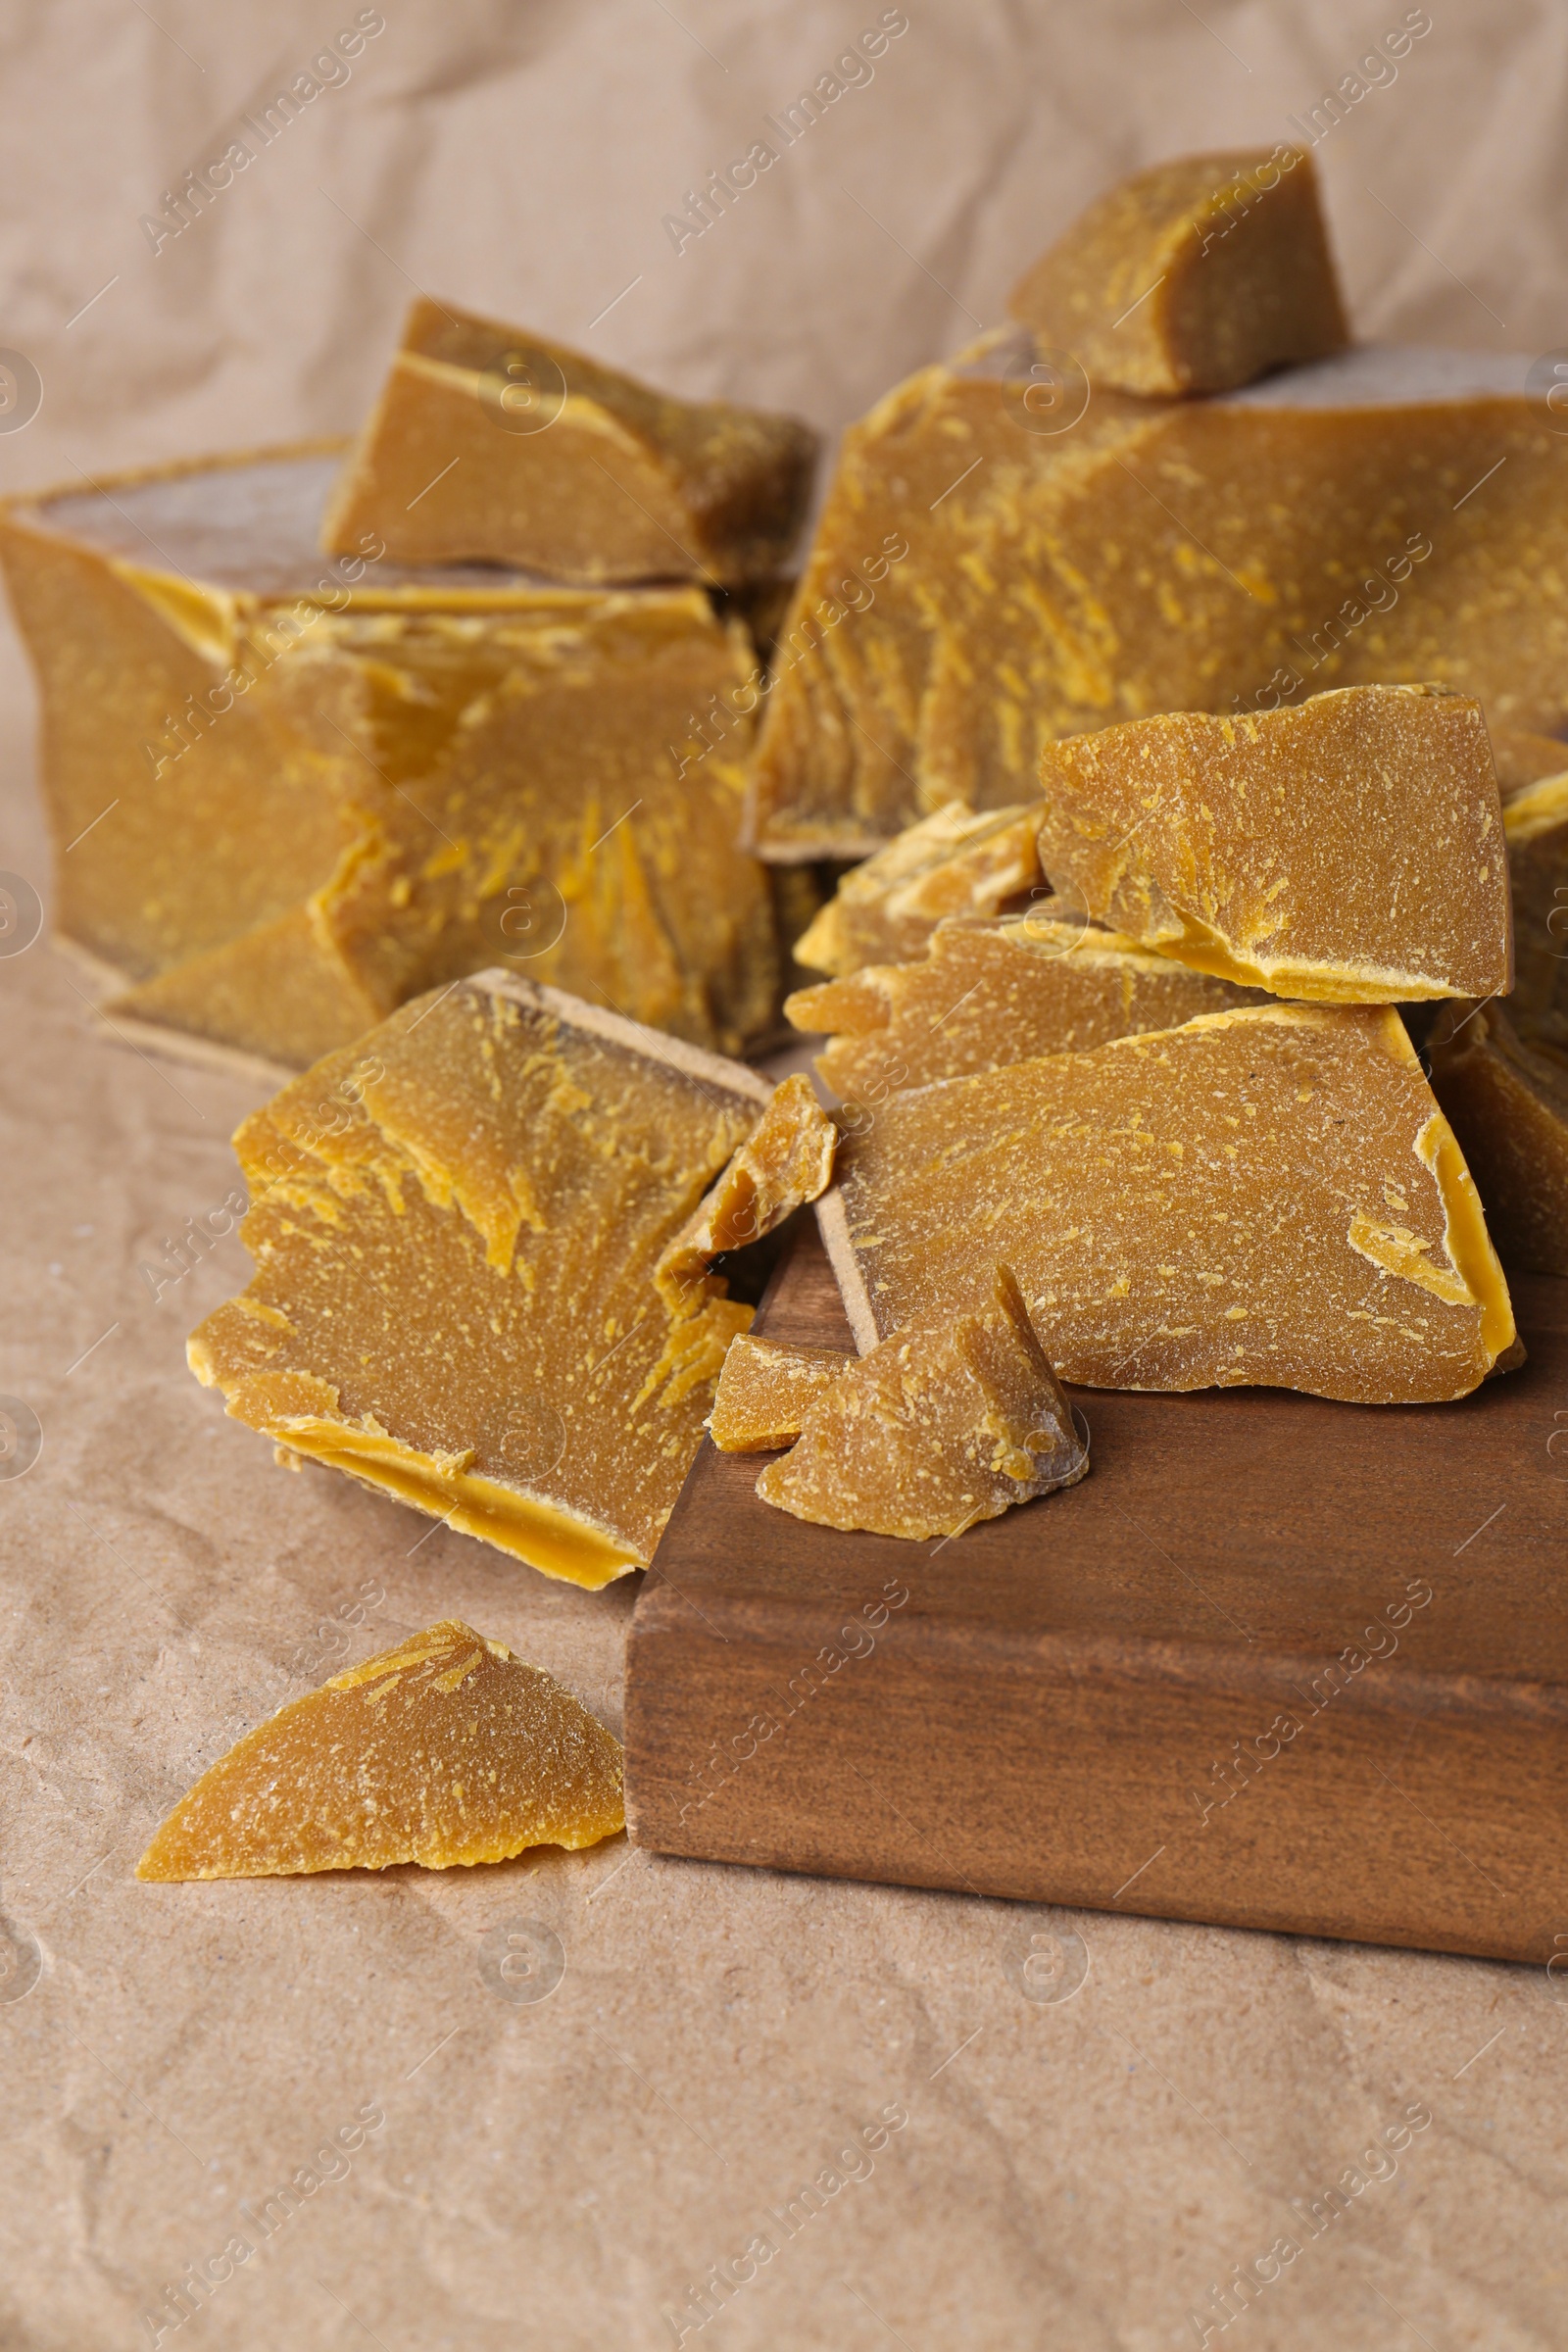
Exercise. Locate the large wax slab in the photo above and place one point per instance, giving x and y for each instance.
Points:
(1382, 517)
(287, 794)
(1267, 1195)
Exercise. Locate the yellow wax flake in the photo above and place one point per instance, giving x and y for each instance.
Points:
(1131, 1258)
(445, 1750)
(945, 1423)
(950, 862)
(785, 1162)
(766, 1390)
(1323, 851)
(994, 990)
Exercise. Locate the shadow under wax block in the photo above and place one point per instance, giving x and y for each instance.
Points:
(288, 793)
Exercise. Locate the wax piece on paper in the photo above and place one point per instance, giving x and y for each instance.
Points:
(444, 1750)
(455, 1224)
(990, 991)
(1535, 826)
(1506, 1098)
(296, 793)
(950, 862)
(764, 1390)
(945, 1423)
(785, 1162)
(1267, 1195)
(1347, 850)
(1197, 276)
(489, 444)
(1089, 563)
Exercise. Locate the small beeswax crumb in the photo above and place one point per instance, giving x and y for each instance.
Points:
(951, 862)
(1347, 851)
(1506, 1099)
(993, 991)
(944, 1424)
(492, 445)
(786, 1160)
(764, 1390)
(1286, 1159)
(455, 1225)
(446, 1750)
(1198, 276)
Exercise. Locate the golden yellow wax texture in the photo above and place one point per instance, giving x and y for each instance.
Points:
(765, 1389)
(950, 862)
(1506, 1099)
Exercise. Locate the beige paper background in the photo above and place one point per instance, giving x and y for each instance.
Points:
(1071, 2173)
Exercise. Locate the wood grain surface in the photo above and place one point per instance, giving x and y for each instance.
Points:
(1277, 1662)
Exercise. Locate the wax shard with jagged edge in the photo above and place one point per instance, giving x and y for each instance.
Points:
(785, 1162)
(1533, 771)
(950, 862)
(947, 1423)
(1269, 1195)
(993, 991)
(1197, 276)
(489, 444)
(295, 794)
(764, 1390)
(1347, 851)
(1143, 557)
(1506, 1098)
(455, 1224)
(444, 1750)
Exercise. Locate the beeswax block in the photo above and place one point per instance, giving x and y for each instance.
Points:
(765, 1389)
(444, 1750)
(942, 1425)
(1197, 276)
(455, 1224)
(287, 795)
(1535, 826)
(1506, 1098)
(1382, 516)
(784, 1162)
(1346, 850)
(990, 991)
(950, 862)
(1266, 1195)
(489, 444)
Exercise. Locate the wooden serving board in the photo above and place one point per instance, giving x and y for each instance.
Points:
(1275, 1663)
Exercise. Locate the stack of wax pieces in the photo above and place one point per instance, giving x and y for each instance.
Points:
(490, 445)
(1264, 1196)
(287, 796)
(764, 1390)
(1198, 276)
(1089, 557)
(786, 1161)
(1346, 850)
(455, 1224)
(948, 863)
(948, 1422)
(1533, 771)
(990, 991)
(445, 1750)
(1506, 1096)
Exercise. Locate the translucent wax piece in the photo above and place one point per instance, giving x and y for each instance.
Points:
(947, 1422)
(446, 1750)
(764, 1390)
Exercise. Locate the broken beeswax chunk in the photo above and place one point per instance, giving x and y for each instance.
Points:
(1535, 826)
(445, 1750)
(1347, 851)
(993, 991)
(1269, 1195)
(950, 862)
(490, 445)
(1198, 276)
(1143, 557)
(297, 793)
(785, 1162)
(455, 1224)
(764, 1390)
(944, 1424)
(1506, 1100)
